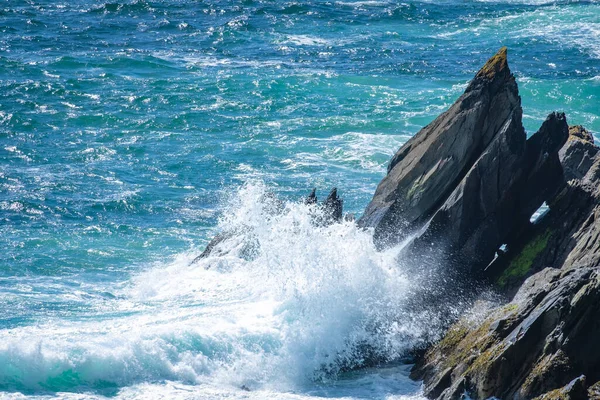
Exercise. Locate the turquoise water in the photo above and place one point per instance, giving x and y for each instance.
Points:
(130, 132)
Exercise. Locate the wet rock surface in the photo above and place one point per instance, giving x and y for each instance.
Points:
(468, 184)
(423, 174)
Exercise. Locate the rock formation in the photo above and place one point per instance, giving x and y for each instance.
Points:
(466, 186)
(470, 180)
(245, 242)
(426, 170)
(544, 342)
(461, 194)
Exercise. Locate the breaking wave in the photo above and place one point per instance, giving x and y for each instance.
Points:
(309, 303)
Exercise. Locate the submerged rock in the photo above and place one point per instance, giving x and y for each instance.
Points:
(244, 241)
(241, 240)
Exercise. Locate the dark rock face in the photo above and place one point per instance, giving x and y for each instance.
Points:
(543, 343)
(470, 177)
(424, 172)
(578, 155)
(467, 184)
(496, 198)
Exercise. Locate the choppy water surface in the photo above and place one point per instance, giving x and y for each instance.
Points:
(131, 131)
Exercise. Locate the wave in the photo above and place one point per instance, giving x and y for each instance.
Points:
(312, 302)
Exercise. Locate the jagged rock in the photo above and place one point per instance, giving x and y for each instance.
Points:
(425, 171)
(542, 166)
(544, 342)
(312, 197)
(471, 177)
(242, 239)
(328, 212)
(496, 198)
(560, 238)
(333, 207)
(578, 155)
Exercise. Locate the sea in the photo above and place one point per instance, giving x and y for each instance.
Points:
(132, 132)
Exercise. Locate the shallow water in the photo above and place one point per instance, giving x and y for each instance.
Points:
(131, 132)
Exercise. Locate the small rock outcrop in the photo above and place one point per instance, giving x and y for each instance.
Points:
(312, 197)
(333, 207)
(243, 240)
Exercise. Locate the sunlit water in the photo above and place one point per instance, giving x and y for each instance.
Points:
(131, 132)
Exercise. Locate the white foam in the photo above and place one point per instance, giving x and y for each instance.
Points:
(368, 3)
(306, 40)
(274, 323)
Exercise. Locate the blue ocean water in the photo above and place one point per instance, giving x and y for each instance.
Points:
(131, 132)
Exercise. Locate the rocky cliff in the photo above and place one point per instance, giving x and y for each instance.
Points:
(470, 180)
(544, 342)
(467, 185)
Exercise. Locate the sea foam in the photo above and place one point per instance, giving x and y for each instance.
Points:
(311, 302)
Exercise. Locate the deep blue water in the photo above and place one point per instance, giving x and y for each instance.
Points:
(127, 128)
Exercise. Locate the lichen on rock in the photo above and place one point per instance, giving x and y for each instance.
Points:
(495, 65)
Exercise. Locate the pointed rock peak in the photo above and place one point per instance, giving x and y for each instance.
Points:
(552, 135)
(497, 66)
(579, 132)
(333, 206)
(332, 195)
(312, 197)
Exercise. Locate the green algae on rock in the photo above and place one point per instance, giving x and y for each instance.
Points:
(521, 265)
